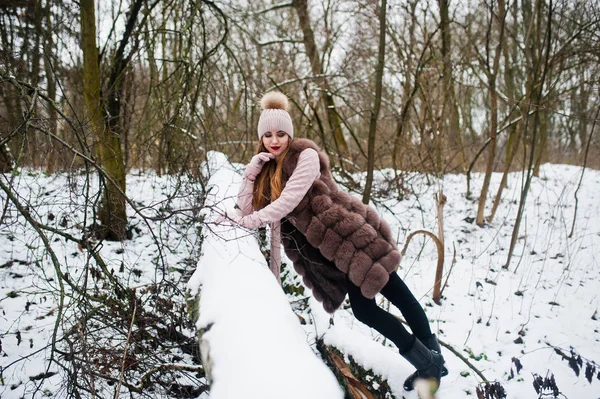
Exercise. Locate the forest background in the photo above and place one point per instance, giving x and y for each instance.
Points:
(421, 86)
(110, 88)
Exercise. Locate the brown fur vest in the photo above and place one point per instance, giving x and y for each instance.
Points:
(332, 235)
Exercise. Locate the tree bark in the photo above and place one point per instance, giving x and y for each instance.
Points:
(542, 148)
(376, 103)
(513, 151)
(112, 212)
(6, 160)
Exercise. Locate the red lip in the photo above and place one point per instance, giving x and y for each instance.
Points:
(275, 148)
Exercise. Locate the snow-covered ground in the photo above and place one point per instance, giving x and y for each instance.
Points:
(547, 298)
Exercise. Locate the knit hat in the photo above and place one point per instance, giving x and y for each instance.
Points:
(274, 116)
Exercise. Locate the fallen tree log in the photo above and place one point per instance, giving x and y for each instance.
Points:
(251, 343)
(353, 378)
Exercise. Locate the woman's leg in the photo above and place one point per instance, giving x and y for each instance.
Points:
(401, 297)
(367, 311)
(428, 363)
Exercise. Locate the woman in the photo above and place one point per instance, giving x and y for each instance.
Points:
(337, 244)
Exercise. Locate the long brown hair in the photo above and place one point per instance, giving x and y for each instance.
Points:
(268, 184)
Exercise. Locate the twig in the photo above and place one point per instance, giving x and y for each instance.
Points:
(55, 262)
(440, 199)
(87, 158)
(449, 271)
(144, 380)
(464, 359)
(84, 243)
(440, 251)
(118, 388)
(587, 149)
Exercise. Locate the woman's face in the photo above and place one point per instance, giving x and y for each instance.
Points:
(276, 142)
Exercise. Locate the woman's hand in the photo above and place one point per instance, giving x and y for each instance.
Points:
(251, 221)
(256, 165)
(230, 216)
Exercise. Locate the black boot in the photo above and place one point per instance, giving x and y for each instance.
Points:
(431, 345)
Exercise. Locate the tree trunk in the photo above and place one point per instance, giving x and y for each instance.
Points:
(451, 127)
(91, 71)
(492, 75)
(35, 150)
(301, 7)
(515, 129)
(376, 103)
(408, 92)
(582, 123)
(536, 85)
(542, 148)
(112, 212)
(51, 156)
(511, 48)
(491, 153)
(441, 200)
(578, 101)
(510, 156)
(6, 160)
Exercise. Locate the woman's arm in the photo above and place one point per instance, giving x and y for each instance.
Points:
(306, 172)
(244, 200)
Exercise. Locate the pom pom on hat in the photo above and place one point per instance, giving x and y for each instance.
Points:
(274, 100)
(274, 116)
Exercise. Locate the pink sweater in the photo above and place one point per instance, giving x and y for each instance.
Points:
(306, 172)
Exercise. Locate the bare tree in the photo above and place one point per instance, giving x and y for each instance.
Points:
(452, 132)
(112, 212)
(491, 72)
(376, 102)
(301, 7)
(537, 82)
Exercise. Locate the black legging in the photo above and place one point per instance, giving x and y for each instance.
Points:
(396, 291)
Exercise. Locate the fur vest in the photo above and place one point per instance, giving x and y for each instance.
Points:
(331, 237)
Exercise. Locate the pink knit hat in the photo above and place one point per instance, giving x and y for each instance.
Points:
(274, 116)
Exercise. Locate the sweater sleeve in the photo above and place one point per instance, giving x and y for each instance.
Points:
(306, 172)
(244, 199)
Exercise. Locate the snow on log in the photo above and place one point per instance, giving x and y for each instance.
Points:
(251, 342)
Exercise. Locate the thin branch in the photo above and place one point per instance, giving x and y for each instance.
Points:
(440, 252)
(587, 149)
(450, 270)
(127, 342)
(273, 8)
(55, 262)
(278, 41)
(464, 359)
